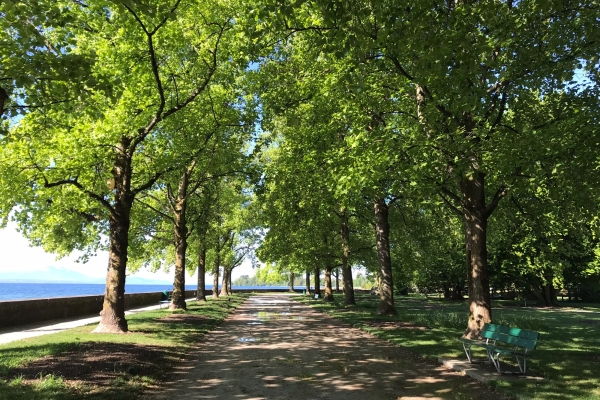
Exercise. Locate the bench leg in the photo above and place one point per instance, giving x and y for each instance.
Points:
(468, 352)
(522, 361)
(495, 360)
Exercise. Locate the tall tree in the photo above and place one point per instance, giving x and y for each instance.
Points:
(60, 156)
(468, 68)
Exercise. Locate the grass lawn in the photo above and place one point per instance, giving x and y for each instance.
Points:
(568, 354)
(78, 364)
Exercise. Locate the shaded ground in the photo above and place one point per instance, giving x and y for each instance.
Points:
(99, 364)
(274, 348)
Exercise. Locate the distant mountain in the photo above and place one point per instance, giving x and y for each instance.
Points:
(134, 280)
(58, 275)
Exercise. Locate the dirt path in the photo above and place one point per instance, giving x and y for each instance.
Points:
(274, 348)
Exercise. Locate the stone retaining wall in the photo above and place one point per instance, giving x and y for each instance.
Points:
(22, 312)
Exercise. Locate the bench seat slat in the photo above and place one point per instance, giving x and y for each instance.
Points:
(511, 352)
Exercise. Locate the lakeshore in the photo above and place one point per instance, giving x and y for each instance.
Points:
(29, 290)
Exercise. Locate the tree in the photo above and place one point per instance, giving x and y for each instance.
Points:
(467, 68)
(58, 169)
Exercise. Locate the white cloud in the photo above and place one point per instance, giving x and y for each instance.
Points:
(18, 255)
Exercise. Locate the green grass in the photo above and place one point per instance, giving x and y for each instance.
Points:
(568, 354)
(163, 341)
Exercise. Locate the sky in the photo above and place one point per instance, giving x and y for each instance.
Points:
(16, 254)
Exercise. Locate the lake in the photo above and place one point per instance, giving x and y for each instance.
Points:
(21, 291)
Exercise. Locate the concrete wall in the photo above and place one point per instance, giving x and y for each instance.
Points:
(21, 312)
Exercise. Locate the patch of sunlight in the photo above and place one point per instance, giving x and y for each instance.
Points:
(428, 379)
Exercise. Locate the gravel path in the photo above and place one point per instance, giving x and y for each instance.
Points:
(274, 348)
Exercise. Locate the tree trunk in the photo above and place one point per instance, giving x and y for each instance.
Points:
(229, 282)
(382, 230)
(346, 269)
(201, 292)
(535, 289)
(317, 281)
(215, 291)
(291, 282)
(112, 316)
(456, 293)
(475, 221)
(337, 280)
(550, 294)
(328, 289)
(307, 282)
(180, 231)
(113, 309)
(225, 281)
(178, 297)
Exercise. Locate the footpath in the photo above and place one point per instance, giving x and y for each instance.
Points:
(11, 334)
(274, 348)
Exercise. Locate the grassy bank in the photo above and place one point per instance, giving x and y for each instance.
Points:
(77, 364)
(568, 355)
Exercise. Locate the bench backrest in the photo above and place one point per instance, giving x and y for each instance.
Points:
(515, 336)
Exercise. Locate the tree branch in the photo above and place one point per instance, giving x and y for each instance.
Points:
(499, 195)
(501, 111)
(516, 203)
(426, 91)
(86, 216)
(74, 182)
(160, 24)
(162, 214)
(151, 181)
(448, 203)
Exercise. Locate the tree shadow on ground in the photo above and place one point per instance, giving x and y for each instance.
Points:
(567, 357)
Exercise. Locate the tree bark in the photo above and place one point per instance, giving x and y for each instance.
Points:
(112, 316)
(317, 281)
(456, 293)
(3, 98)
(201, 292)
(178, 297)
(215, 291)
(113, 309)
(382, 233)
(550, 294)
(229, 282)
(225, 281)
(307, 282)
(346, 269)
(475, 219)
(545, 293)
(328, 290)
(337, 280)
(291, 282)
(180, 231)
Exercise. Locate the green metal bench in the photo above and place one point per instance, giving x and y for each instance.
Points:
(505, 341)
(167, 295)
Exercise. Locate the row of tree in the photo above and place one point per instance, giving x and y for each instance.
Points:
(125, 129)
(396, 129)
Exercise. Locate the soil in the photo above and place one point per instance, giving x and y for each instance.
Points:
(99, 363)
(275, 348)
(184, 318)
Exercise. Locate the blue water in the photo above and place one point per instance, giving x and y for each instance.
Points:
(20, 291)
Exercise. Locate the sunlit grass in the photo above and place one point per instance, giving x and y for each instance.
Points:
(145, 329)
(568, 354)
